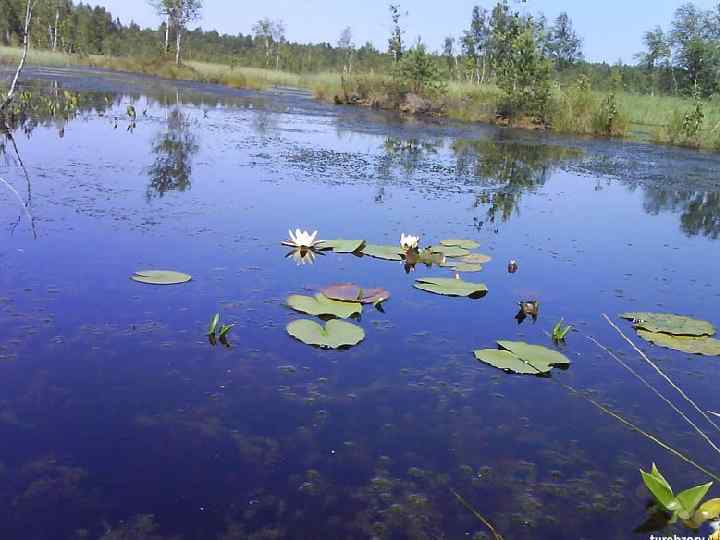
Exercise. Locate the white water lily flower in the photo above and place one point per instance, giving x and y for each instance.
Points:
(302, 239)
(409, 241)
(303, 256)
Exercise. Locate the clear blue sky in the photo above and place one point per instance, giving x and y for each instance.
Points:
(612, 29)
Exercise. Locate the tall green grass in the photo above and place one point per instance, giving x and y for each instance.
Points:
(645, 117)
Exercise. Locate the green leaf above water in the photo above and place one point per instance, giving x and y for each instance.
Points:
(449, 251)
(388, 253)
(225, 330)
(670, 324)
(213, 324)
(348, 292)
(464, 244)
(507, 361)
(466, 267)
(689, 500)
(475, 258)
(659, 487)
(705, 346)
(322, 305)
(333, 335)
(160, 277)
(341, 246)
(450, 286)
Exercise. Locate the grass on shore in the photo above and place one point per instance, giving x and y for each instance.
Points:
(644, 117)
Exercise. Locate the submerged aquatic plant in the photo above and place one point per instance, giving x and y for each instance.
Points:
(302, 239)
(560, 331)
(686, 505)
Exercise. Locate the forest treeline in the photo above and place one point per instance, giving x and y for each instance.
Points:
(679, 59)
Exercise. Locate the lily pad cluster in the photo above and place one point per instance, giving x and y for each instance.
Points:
(454, 254)
(676, 332)
(341, 301)
(522, 358)
(346, 300)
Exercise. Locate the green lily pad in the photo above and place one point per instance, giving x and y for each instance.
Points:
(464, 244)
(160, 277)
(668, 323)
(541, 358)
(322, 305)
(352, 293)
(475, 258)
(703, 345)
(507, 361)
(333, 335)
(465, 267)
(450, 286)
(388, 253)
(341, 246)
(449, 251)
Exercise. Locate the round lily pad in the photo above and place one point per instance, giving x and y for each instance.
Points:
(466, 267)
(449, 251)
(388, 253)
(160, 277)
(333, 335)
(341, 246)
(475, 258)
(450, 286)
(702, 345)
(352, 293)
(507, 361)
(464, 244)
(668, 323)
(541, 358)
(322, 305)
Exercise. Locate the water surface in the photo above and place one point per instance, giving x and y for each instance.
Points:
(120, 420)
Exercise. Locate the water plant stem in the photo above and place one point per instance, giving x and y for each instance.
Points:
(644, 433)
(662, 373)
(483, 520)
(657, 392)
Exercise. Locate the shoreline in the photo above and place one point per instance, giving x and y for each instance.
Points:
(460, 103)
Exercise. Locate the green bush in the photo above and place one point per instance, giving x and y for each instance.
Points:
(418, 73)
(524, 77)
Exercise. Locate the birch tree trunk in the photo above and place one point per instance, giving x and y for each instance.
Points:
(167, 33)
(178, 44)
(55, 30)
(23, 58)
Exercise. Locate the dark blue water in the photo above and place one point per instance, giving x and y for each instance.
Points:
(119, 420)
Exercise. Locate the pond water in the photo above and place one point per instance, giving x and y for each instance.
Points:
(119, 420)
